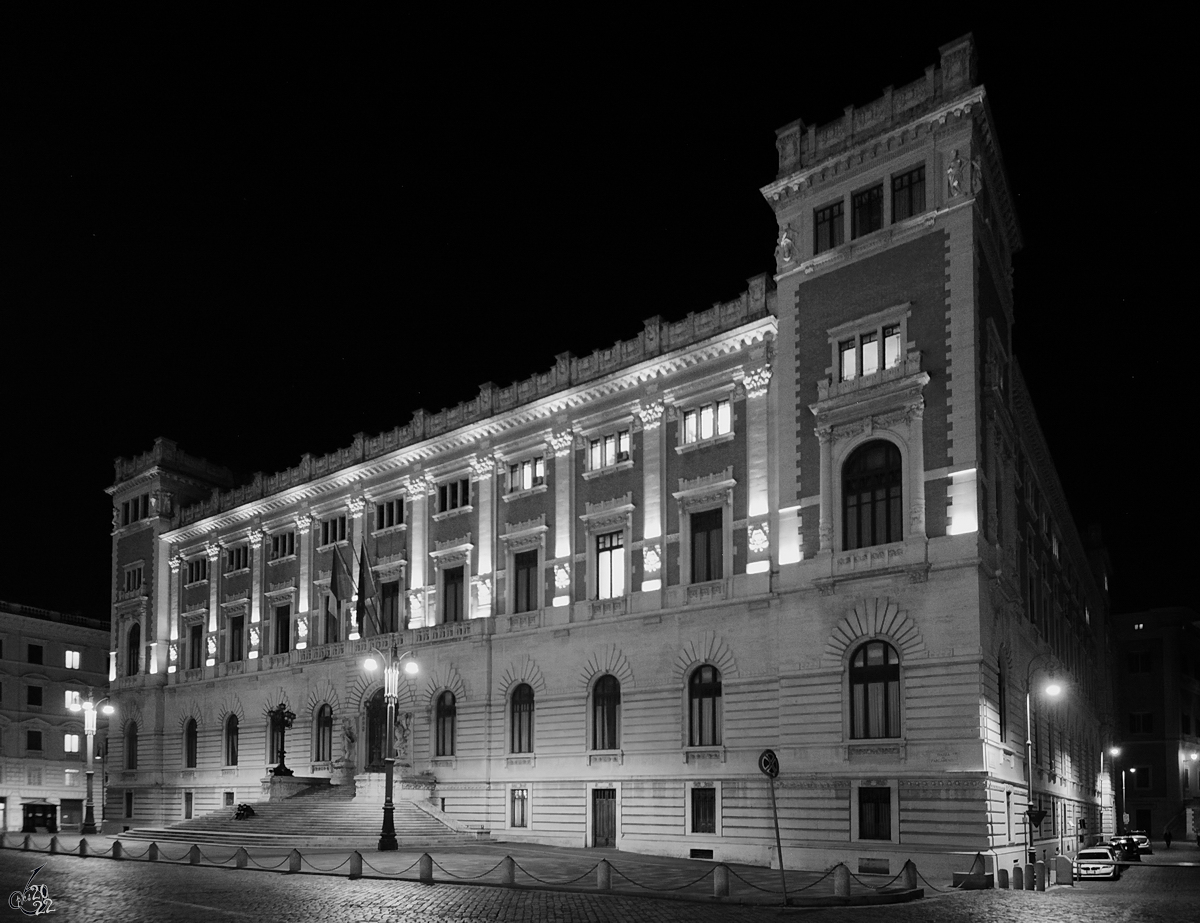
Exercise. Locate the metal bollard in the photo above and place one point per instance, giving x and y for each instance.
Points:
(83, 849)
(152, 852)
(721, 881)
(1018, 878)
(194, 855)
(53, 845)
(118, 849)
(1029, 879)
(908, 876)
(508, 871)
(1002, 879)
(841, 881)
(1039, 872)
(355, 865)
(241, 857)
(425, 869)
(294, 860)
(27, 844)
(603, 876)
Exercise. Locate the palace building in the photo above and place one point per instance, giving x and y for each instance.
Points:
(819, 519)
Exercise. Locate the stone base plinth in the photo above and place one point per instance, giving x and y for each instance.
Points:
(279, 788)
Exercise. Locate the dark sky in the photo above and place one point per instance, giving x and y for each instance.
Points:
(259, 245)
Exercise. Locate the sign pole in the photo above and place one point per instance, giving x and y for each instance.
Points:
(768, 762)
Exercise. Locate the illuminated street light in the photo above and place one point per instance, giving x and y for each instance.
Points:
(1052, 689)
(391, 694)
(89, 707)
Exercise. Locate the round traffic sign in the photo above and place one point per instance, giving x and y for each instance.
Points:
(768, 763)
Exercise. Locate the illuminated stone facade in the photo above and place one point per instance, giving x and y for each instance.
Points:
(816, 519)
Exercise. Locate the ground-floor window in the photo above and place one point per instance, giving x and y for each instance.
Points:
(520, 807)
(874, 813)
(704, 810)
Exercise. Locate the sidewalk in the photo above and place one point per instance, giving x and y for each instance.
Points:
(534, 866)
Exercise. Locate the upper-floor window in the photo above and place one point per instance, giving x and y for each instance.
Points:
(707, 421)
(389, 606)
(521, 719)
(608, 449)
(333, 529)
(454, 495)
(70, 743)
(606, 713)
(527, 474)
(323, 734)
(237, 558)
(525, 576)
(875, 691)
(867, 352)
(829, 230)
(1141, 722)
(72, 698)
(237, 638)
(704, 707)
(283, 544)
(133, 650)
(610, 565)
(445, 718)
(908, 194)
(231, 740)
(134, 509)
(197, 569)
(190, 744)
(866, 211)
(33, 740)
(389, 513)
(708, 543)
(133, 578)
(872, 499)
(1139, 662)
(131, 745)
(33, 696)
(34, 653)
(453, 594)
(195, 646)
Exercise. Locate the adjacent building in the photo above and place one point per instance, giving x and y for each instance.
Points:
(1157, 680)
(47, 661)
(820, 519)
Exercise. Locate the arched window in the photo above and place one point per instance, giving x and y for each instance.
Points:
(872, 505)
(704, 707)
(522, 719)
(189, 744)
(231, 740)
(131, 745)
(875, 691)
(606, 713)
(323, 734)
(447, 714)
(133, 651)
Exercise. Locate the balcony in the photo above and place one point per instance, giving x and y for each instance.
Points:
(828, 389)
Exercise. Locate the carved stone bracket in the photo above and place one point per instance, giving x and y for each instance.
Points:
(651, 415)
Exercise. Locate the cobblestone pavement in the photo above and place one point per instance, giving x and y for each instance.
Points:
(102, 890)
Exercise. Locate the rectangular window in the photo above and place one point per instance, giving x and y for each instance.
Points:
(829, 230)
(869, 346)
(707, 421)
(847, 360)
(136, 509)
(891, 346)
(608, 450)
(610, 565)
(283, 628)
(1141, 775)
(389, 606)
(867, 211)
(874, 813)
(454, 495)
(525, 566)
(389, 514)
(70, 743)
(34, 653)
(704, 810)
(195, 646)
(1141, 722)
(129, 804)
(707, 546)
(452, 594)
(133, 578)
(1139, 662)
(33, 696)
(908, 194)
(333, 530)
(237, 638)
(237, 558)
(33, 740)
(72, 698)
(520, 807)
(71, 777)
(283, 545)
(526, 474)
(71, 659)
(197, 570)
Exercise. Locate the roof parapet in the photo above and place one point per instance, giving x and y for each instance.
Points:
(167, 453)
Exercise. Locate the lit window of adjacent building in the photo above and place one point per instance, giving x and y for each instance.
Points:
(707, 421)
(704, 707)
(866, 211)
(133, 578)
(389, 514)
(704, 810)
(527, 474)
(607, 450)
(237, 558)
(520, 808)
(874, 691)
(71, 659)
(862, 354)
(135, 509)
(454, 495)
(72, 697)
(197, 570)
(70, 743)
(908, 194)
(283, 545)
(333, 530)
(874, 813)
(610, 565)
(872, 498)
(829, 230)
(453, 594)
(71, 777)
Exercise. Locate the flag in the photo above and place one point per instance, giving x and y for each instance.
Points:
(366, 589)
(338, 578)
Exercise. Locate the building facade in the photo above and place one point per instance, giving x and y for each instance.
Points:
(818, 519)
(49, 660)
(1157, 673)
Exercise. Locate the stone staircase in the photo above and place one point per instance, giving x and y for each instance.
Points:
(325, 817)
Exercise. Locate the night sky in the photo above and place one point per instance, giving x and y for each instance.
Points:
(261, 244)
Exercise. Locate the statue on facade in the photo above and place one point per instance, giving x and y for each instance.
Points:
(954, 175)
(785, 248)
(403, 724)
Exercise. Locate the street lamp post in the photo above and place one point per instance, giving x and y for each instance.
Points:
(1052, 688)
(89, 707)
(391, 694)
(1115, 752)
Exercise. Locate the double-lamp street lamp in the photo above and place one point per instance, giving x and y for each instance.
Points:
(1052, 689)
(392, 666)
(89, 707)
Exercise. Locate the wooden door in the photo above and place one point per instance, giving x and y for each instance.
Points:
(604, 816)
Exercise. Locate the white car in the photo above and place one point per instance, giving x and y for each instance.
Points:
(1097, 862)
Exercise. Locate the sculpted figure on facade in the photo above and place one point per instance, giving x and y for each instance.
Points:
(785, 248)
(954, 175)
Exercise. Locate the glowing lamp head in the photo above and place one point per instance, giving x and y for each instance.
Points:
(75, 706)
(370, 664)
(108, 709)
(1115, 751)
(412, 669)
(1053, 688)
(1133, 770)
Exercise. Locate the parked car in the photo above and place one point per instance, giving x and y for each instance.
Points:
(1143, 841)
(1097, 862)
(1126, 848)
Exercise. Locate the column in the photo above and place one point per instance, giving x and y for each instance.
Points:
(758, 508)
(176, 562)
(355, 535)
(563, 444)
(484, 470)
(653, 552)
(304, 524)
(916, 429)
(417, 489)
(825, 437)
(256, 574)
(214, 600)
